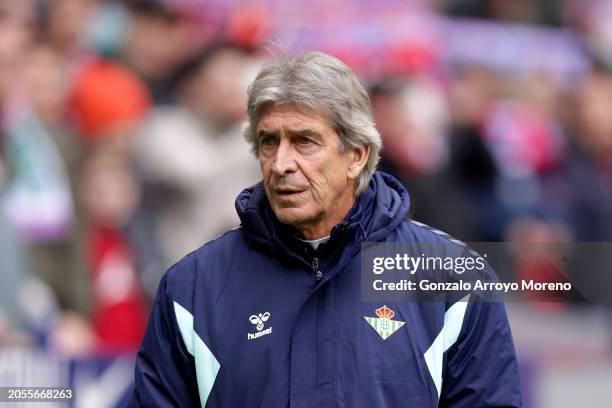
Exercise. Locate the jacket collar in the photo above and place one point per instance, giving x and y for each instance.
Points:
(375, 214)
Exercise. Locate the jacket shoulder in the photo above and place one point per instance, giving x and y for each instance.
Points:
(412, 231)
(204, 268)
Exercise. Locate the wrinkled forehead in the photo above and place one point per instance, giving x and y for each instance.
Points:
(277, 116)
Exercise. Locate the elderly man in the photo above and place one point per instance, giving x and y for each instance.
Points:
(270, 314)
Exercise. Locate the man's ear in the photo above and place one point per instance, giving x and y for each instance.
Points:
(357, 159)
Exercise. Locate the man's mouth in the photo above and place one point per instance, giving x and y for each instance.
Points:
(287, 193)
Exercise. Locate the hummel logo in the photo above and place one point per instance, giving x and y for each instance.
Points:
(259, 321)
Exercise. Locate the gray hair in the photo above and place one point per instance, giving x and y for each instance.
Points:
(325, 84)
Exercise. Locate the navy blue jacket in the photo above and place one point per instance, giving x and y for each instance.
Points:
(244, 322)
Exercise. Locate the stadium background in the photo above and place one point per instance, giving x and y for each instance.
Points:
(120, 151)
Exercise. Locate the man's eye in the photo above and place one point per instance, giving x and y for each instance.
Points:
(304, 141)
(267, 141)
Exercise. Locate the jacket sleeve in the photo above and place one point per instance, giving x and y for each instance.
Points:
(165, 371)
(481, 368)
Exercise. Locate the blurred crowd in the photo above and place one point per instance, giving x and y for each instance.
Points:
(121, 146)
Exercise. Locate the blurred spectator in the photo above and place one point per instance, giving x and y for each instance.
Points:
(108, 105)
(27, 306)
(55, 255)
(38, 197)
(159, 40)
(564, 187)
(109, 192)
(194, 153)
(46, 82)
(412, 118)
(584, 193)
(473, 92)
(525, 138)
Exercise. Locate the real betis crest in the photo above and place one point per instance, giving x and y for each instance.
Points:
(383, 324)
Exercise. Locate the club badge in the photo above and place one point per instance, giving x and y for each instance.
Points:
(384, 324)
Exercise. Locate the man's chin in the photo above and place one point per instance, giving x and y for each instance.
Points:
(291, 216)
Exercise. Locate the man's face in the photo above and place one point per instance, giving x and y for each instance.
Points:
(308, 177)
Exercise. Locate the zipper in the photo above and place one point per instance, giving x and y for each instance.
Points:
(315, 266)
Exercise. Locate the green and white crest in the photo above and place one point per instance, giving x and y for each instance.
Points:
(383, 324)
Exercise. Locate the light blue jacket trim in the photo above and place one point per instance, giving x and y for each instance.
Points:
(206, 363)
(453, 320)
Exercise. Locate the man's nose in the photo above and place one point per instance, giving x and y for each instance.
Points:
(284, 159)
